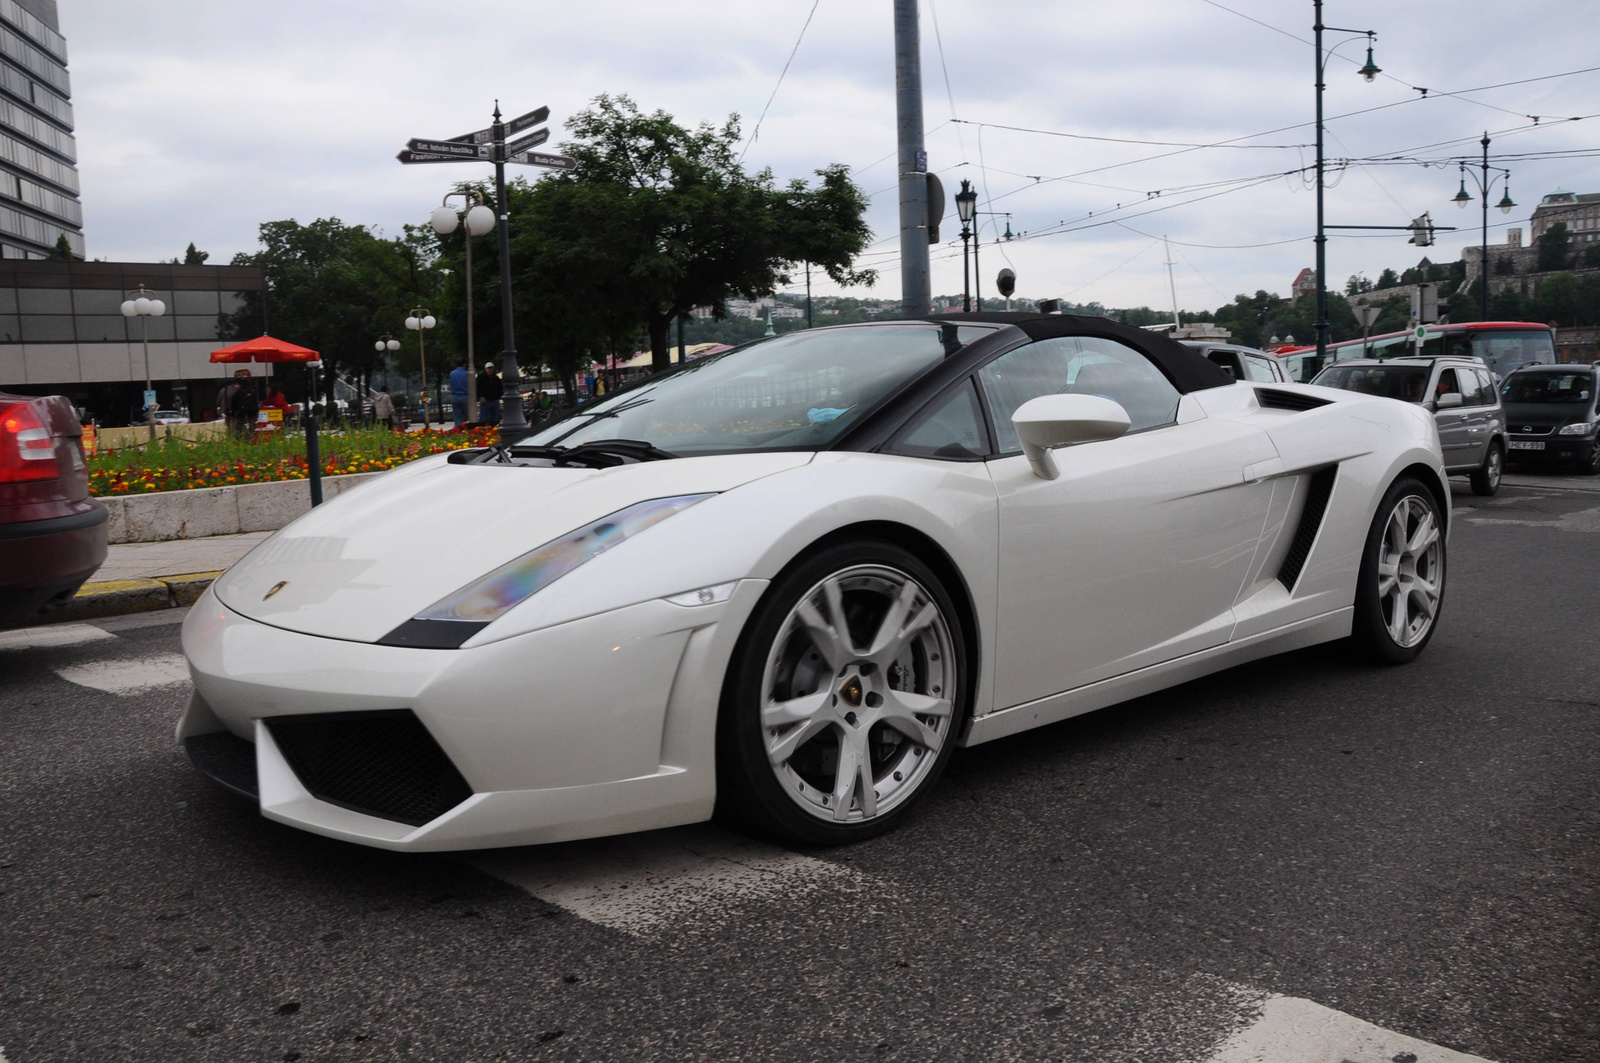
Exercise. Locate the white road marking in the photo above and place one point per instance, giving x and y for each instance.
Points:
(1584, 520)
(643, 884)
(131, 676)
(1292, 1030)
(49, 636)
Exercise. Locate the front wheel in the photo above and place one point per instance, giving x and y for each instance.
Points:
(1401, 580)
(1486, 480)
(1590, 466)
(844, 699)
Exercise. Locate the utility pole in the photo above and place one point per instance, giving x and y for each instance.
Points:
(808, 295)
(913, 161)
(512, 423)
(1172, 285)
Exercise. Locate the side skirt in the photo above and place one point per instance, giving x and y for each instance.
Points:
(1057, 707)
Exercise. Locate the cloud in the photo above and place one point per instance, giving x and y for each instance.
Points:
(200, 119)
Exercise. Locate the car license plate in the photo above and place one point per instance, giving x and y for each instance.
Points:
(1520, 444)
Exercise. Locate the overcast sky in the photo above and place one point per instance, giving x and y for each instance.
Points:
(200, 119)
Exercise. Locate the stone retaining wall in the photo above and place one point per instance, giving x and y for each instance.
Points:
(217, 510)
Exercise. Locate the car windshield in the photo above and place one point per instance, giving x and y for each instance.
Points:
(1404, 382)
(1547, 386)
(796, 391)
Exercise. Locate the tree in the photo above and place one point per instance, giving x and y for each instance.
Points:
(1554, 248)
(1387, 279)
(674, 222)
(1357, 284)
(1505, 266)
(62, 250)
(1591, 257)
(335, 288)
(194, 256)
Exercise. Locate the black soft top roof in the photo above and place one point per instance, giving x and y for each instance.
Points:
(1188, 369)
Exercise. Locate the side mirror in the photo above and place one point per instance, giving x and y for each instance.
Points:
(1448, 401)
(1062, 420)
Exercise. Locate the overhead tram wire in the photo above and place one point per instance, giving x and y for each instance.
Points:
(1426, 93)
(949, 95)
(756, 132)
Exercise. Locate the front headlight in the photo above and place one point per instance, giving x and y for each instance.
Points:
(488, 598)
(1582, 428)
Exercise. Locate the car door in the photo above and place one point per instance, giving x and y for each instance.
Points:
(1454, 440)
(1136, 552)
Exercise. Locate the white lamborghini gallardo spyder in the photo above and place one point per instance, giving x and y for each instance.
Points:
(785, 582)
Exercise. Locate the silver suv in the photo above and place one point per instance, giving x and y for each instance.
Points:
(1462, 396)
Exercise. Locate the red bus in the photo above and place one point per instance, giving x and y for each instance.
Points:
(1503, 346)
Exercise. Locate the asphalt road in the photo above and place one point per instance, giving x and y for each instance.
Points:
(1412, 848)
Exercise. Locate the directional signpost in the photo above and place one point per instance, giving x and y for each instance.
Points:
(489, 145)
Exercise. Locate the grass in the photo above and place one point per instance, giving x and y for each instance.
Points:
(179, 464)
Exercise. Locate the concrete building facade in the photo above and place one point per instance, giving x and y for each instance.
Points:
(62, 332)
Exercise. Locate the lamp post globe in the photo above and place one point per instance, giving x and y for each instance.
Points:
(444, 220)
(1505, 203)
(141, 305)
(157, 308)
(130, 309)
(429, 321)
(413, 323)
(480, 220)
(394, 345)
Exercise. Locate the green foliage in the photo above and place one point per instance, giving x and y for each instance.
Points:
(1554, 248)
(658, 219)
(62, 251)
(193, 256)
(336, 288)
(1387, 279)
(1591, 257)
(1357, 284)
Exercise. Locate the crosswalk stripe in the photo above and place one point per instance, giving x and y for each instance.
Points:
(51, 636)
(642, 884)
(129, 676)
(1293, 1030)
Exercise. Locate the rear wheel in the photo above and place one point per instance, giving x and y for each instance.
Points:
(846, 693)
(1486, 480)
(1401, 581)
(1590, 466)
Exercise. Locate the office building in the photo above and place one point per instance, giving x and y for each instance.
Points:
(38, 172)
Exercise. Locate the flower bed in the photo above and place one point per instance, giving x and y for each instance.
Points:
(178, 464)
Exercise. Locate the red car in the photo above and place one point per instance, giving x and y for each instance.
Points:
(52, 534)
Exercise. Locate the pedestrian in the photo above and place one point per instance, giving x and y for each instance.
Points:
(490, 390)
(458, 392)
(383, 409)
(242, 405)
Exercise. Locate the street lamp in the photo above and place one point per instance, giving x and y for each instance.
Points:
(480, 220)
(966, 208)
(977, 243)
(1463, 197)
(139, 304)
(1370, 72)
(384, 346)
(419, 321)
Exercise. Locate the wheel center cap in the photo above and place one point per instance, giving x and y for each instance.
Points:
(851, 691)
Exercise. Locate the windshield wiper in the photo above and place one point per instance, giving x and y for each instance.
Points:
(597, 453)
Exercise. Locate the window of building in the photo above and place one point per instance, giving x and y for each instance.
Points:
(195, 303)
(44, 300)
(52, 328)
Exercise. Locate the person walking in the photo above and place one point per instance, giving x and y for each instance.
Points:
(383, 409)
(458, 392)
(490, 390)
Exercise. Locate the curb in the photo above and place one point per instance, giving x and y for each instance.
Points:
(120, 597)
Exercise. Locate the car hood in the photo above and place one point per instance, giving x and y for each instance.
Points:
(1543, 415)
(372, 558)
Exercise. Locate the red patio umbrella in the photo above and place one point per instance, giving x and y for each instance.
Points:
(265, 349)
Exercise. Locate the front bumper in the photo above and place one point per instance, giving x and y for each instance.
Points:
(599, 726)
(1557, 449)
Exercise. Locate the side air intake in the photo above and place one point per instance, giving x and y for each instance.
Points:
(1317, 494)
(1273, 399)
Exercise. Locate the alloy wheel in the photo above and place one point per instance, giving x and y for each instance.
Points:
(1409, 571)
(858, 693)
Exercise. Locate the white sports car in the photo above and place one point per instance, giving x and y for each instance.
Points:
(785, 582)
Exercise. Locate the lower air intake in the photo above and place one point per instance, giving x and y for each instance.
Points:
(384, 764)
(1317, 493)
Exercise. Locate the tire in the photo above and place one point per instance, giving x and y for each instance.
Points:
(800, 697)
(1486, 479)
(1401, 581)
(1590, 466)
